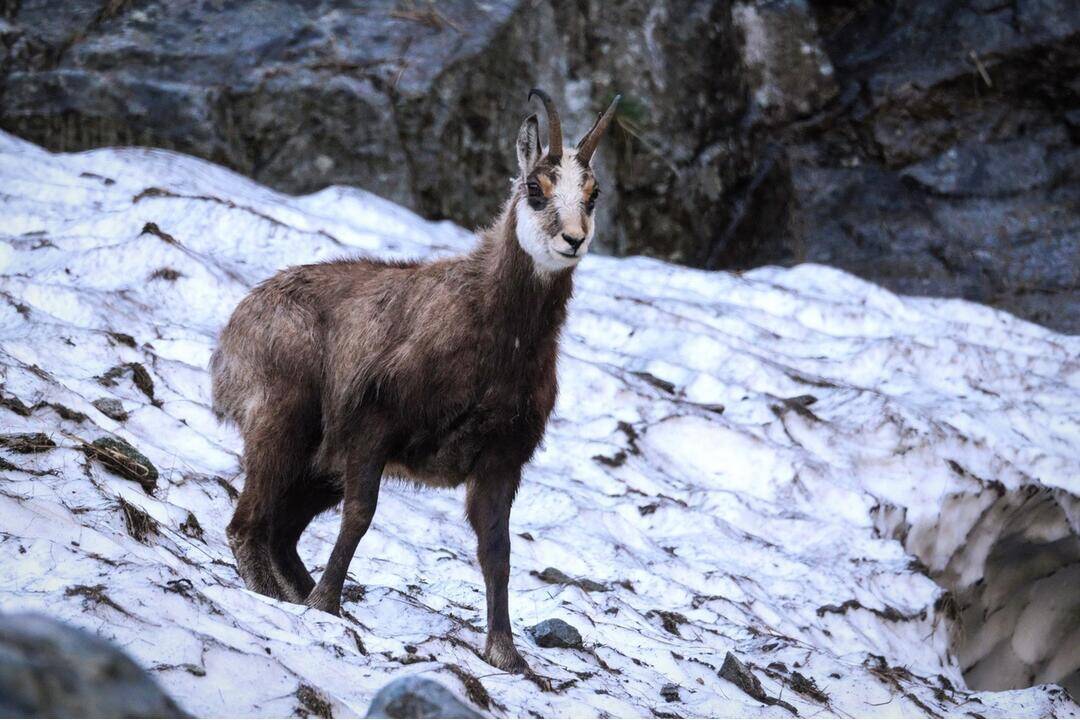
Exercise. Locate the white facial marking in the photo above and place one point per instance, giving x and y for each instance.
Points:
(567, 200)
(535, 241)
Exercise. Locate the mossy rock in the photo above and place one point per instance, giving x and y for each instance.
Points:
(124, 460)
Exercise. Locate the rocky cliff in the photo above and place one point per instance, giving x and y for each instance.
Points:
(931, 147)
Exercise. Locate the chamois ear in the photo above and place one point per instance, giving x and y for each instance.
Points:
(528, 144)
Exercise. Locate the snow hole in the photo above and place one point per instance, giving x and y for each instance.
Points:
(1010, 563)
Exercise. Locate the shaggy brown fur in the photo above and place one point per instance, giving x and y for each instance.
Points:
(339, 373)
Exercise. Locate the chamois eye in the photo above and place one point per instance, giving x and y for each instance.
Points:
(536, 195)
(590, 205)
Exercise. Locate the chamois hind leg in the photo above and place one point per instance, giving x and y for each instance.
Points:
(276, 452)
(295, 511)
(362, 478)
(487, 504)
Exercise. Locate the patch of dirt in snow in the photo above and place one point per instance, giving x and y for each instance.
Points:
(731, 461)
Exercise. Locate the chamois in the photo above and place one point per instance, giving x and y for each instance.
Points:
(441, 373)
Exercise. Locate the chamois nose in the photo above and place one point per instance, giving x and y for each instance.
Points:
(573, 242)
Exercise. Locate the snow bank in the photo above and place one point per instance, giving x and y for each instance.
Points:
(851, 419)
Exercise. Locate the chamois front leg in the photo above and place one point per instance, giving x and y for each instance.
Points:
(362, 479)
(488, 506)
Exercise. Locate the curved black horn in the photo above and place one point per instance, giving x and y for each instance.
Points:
(588, 144)
(554, 126)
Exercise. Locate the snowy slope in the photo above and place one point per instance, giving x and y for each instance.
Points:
(748, 531)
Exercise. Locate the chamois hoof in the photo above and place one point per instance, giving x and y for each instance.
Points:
(320, 601)
(503, 655)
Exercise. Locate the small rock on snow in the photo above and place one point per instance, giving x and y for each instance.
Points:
(111, 408)
(556, 633)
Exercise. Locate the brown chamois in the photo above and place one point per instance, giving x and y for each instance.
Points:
(441, 373)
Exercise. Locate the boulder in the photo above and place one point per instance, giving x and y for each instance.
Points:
(415, 696)
(49, 669)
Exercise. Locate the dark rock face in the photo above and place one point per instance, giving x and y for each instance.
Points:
(414, 696)
(949, 164)
(931, 147)
(48, 669)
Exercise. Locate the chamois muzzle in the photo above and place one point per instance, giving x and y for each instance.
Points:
(554, 125)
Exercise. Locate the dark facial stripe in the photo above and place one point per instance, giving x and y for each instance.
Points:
(550, 221)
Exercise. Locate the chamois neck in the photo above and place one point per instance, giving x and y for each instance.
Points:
(510, 287)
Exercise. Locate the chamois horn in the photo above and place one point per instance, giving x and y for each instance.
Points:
(554, 126)
(587, 145)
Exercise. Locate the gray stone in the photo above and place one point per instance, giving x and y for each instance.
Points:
(555, 633)
(736, 672)
(415, 696)
(111, 408)
(49, 669)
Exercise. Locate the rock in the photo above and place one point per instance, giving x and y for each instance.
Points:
(191, 527)
(415, 696)
(111, 408)
(124, 460)
(929, 147)
(736, 672)
(49, 669)
(421, 106)
(733, 670)
(670, 692)
(556, 633)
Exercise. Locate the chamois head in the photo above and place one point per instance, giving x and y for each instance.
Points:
(557, 191)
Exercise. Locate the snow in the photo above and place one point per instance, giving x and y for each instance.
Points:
(744, 531)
